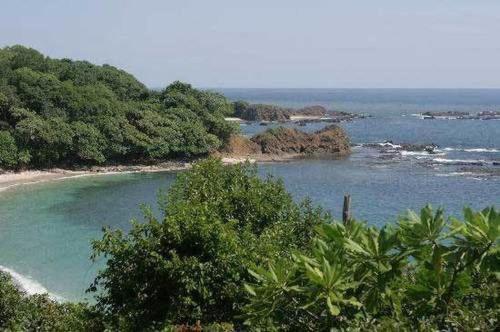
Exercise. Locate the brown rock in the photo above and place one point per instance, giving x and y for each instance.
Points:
(240, 146)
(315, 110)
(331, 140)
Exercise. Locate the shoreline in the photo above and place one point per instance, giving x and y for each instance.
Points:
(10, 180)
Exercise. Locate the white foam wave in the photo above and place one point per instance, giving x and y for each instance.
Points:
(468, 175)
(481, 150)
(390, 145)
(460, 161)
(455, 174)
(28, 284)
(436, 117)
(490, 150)
(444, 117)
(421, 153)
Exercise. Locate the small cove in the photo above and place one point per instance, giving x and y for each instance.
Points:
(46, 228)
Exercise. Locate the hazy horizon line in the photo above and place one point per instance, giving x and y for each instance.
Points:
(346, 88)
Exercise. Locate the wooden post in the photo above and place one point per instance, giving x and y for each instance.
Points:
(346, 212)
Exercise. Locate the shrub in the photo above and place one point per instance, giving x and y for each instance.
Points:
(217, 223)
(20, 312)
(426, 273)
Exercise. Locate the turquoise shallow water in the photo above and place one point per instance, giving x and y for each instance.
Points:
(46, 228)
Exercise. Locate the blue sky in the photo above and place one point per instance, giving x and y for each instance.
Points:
(273, 43)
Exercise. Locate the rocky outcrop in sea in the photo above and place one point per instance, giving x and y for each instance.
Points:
(477, 163)
(285, 143)
(271, 113)
(262, 112)
(331, 140)
(455, 115)
(403, 148)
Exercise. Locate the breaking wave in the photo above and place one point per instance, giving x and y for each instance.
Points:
(390, 145)
(28, 285)
(421, 153)
(456, 174)
(478, 162)
(490, 150)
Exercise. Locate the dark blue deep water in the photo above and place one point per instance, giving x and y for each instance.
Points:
(383, 187)
(46, 229)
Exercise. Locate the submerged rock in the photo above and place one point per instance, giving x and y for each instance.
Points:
(489, 115)
(390, 146)
(429, 148)
(446, 113)
(481, 171)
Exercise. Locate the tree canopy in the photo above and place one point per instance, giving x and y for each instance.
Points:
(191, 264)
(60, 112)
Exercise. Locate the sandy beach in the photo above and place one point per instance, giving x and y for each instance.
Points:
(10, 180)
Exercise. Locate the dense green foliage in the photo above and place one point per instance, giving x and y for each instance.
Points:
(63, 113)
(426, 273)
(232, 247)
(234, 251)
(218, 222)
(19, 312)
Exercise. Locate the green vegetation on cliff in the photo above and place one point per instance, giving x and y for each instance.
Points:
(60, 112)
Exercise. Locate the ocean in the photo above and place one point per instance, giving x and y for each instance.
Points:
(46, 229)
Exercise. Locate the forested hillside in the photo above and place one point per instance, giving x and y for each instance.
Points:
(60, 112)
